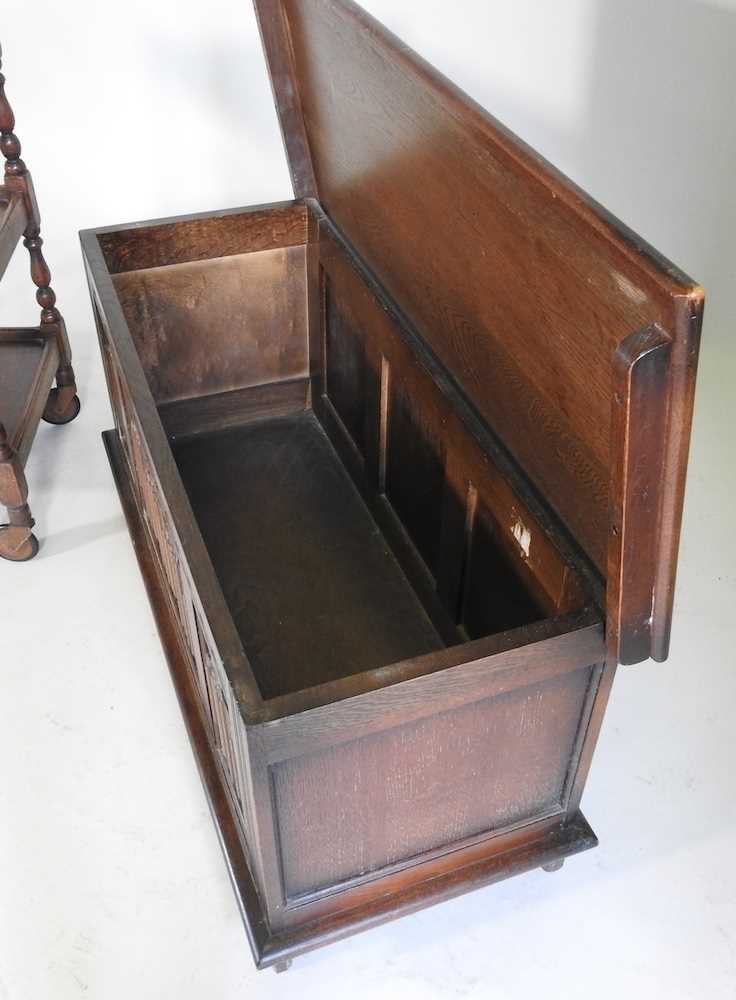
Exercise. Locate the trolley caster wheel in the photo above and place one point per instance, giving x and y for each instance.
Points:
(16, 551)
(51, 414)
(282, 966)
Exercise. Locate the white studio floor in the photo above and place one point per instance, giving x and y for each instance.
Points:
(112, 884)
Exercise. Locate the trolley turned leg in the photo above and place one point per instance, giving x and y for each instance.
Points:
(63, 402)
(17, 541)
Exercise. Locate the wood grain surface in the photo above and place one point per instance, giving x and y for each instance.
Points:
(205, 327)
(521, 283)
(405, 462)
(313, 588)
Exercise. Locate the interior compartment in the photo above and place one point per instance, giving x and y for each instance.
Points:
(313, 587)
(352, 515)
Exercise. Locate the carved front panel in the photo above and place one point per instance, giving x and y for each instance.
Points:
(427, 785)
(218, 708)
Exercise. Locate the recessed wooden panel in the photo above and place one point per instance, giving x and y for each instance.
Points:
(434, 455)
(346, 371)
(213, 325)
(495, 596)
(415, 472)
(521, 284)
(427, 784)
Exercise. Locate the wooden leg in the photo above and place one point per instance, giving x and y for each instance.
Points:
(63, 403)
(553, 866)
(17, 541)
(283, 966)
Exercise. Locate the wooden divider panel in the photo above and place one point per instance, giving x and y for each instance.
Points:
(492, 564)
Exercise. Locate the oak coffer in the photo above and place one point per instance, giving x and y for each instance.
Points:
(403, 464)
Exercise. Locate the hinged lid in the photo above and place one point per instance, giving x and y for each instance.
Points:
(572, 338)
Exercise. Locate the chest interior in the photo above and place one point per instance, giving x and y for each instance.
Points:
(356, 509)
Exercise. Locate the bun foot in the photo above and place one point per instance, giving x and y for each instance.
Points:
(17, 544)
(553, 866)
(61, 409)
(282, 966)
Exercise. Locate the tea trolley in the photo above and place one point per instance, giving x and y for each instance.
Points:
(31, 359)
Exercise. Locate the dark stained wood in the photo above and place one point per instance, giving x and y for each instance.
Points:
(28, 360)
(419, 691)
(63, 404)
(414, 472)
(554, 866)
(600, 692)
(491, 763)
(182, 239)
(425, 461)
(389, 704)
(190, 702)
(274, 498)
(407, 890)
(275, 38)
(639, 422)
(494, 597)
(222, 410)
(31, 359)
(210, 326)
(346, 372)
(427, 685)
(683, 368)
(391, 526)
(528, 322)
(133, 404)
(17, 542)
(549, 839)
(439, 880)
(12, 224)
(403, 502)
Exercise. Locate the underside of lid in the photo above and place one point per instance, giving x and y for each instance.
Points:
(573, 339)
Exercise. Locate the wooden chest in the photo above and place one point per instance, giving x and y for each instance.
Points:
(403, 462)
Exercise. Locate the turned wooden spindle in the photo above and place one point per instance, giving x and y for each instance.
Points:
(9, 142)
(63, 403)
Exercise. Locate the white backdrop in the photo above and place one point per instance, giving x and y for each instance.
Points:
(111, 883)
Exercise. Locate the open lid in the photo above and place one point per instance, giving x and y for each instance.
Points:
(575, 341)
